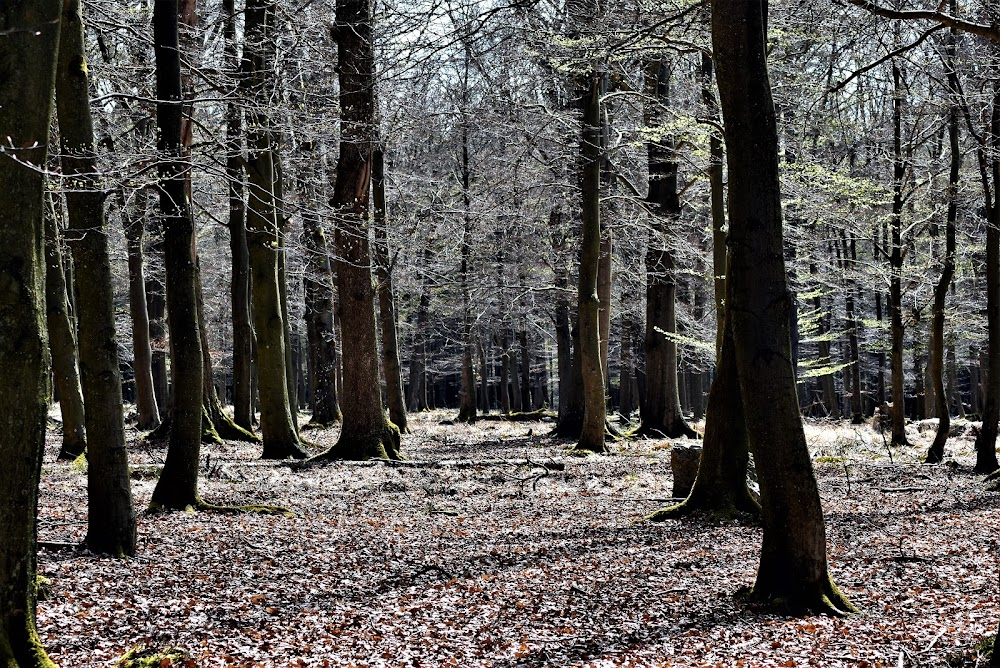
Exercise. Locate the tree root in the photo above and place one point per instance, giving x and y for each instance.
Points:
(202, 506)
(719, 511)
(826, 599)
(361, 447)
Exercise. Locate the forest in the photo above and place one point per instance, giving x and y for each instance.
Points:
(499, 333)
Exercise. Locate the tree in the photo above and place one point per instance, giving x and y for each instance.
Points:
(366, 431)
(110, 517)
(28, 47)
(793, 570)
(177, 487)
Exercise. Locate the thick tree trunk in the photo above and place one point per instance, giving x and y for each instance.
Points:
(142, 353)
(240, 271)
(793, 570)
(62, 343)
(588, 304)
(391, 366)
(111, 525)
(661, 407)
(367, 432)
(177, 487)
(278, 428)
(27, 69)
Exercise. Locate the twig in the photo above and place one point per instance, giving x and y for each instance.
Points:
(901, 489)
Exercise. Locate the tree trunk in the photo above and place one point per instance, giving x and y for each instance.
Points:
(142, 366)
(661, 407)
(484, 377)
(280, 435)
(986, 455)
(240, 271)
(589, 350)
(319, 303)
(626, 399)
(853, 324)
(111, 525)
(417, 389)
(391, 367)
(896, 267)
(27, 69)
(62, 343)
(367, 432)
(177, 487)
(527, 402)
(467, 400)
(793, 570)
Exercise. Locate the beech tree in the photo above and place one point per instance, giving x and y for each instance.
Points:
(793, 570)
(29, 40)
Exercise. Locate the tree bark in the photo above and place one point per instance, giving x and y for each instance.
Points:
(367, 432)
(391, 366)
(240, 271)
(177, 487)
(27, 71)
(896, 266)
(142, 353)
(793, 570)
(111, 525)
(62, 343)
(661, 407)
(278, 428)
(588, 304)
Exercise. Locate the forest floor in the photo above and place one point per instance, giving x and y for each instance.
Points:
(508, 564)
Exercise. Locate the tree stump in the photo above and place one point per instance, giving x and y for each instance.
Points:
(684, 461)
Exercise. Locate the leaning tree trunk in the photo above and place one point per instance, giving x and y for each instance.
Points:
(62, 343)
(594, 412)
(367, 432)
(27, 69)
(111, 526)
(936, 452)
(177, 487)
(281, 439)
(793, 570)
(142, 352)
(391, 366)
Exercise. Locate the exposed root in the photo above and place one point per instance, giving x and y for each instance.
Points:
(827, 600)
(383, 444)
(202, 506)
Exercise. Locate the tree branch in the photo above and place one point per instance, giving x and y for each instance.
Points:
(990, 32)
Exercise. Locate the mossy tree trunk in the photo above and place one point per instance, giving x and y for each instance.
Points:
(589, 350)
(27, 70)
(391, 367)
(177, 487)
(111, 524)
(661, 408)
(62, 343)
(367, 432)
(319, 303)
(240, 273)
(280, 435)
(142, 352)
(793, 569)
(936, 452)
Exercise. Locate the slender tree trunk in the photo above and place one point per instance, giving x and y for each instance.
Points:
(595, 407)
(896, 267)
(111, 524)
(178, 484)
(484, 376)
(793, 569)
(27, 69)
(417, 390)
(527, 402)
(145, 394)
(467, 402)
(986, 455)
(367, 432)
(240, 271)
(827, 386)
(319, 303)
(277, 421)
(626, 399)
(854, 371)
(391, 366)
(62, 343)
